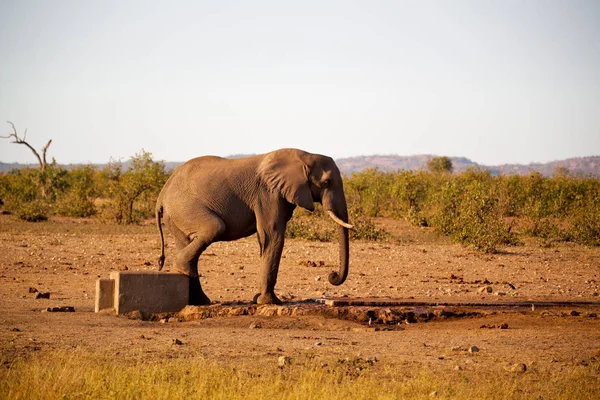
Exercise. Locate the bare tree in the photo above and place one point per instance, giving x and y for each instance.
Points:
(18, 140)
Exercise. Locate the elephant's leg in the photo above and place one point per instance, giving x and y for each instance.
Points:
(181, 239)
(209, 229)
(271, 244)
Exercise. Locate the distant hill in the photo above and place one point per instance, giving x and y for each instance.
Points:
(576, 166)
(580, 166)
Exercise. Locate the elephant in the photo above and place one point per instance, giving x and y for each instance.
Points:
(210, 199)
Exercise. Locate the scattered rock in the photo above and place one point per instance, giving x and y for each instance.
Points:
(485, 289)
(458, 368)
(500, 294)
(433, 394)
(318, 278)
(255, 325)
(135, 314)
(574, 313)
(284, 361)
(177, 342)
(312, 264)
(42, 295)
(124, 268)
(473, 349)
(519, 368)
(33, 290)
(61, 309)
(503, 325)
(15, 330)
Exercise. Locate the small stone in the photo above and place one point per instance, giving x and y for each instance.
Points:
(433, 394)
(574, 313)
(318, 343)
(177, 342)
(255, 325)
(485, 289)
(519, 368)
(318, 278)
(124, 268)
(61, 309)
(458, 368)
(33, 290)
(500, 294)
(284, 361)
(15, 330)
(473, 349)
(44, 295)
(164, 320)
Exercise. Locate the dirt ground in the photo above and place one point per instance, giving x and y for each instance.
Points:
(65, 257)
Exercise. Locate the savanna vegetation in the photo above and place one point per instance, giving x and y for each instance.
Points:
(81, 375)
(472, 207)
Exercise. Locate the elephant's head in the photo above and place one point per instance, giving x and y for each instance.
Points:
(302, 179)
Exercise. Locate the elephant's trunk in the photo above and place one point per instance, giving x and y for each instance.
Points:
(337, 278)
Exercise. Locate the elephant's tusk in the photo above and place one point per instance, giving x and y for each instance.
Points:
(339, 221)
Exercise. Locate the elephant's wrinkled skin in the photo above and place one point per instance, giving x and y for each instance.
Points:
(211, 199)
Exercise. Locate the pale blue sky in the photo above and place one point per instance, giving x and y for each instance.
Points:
(497, 81)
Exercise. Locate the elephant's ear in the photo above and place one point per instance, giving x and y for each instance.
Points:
(285, 173)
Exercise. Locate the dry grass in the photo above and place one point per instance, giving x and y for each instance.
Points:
(76, 375)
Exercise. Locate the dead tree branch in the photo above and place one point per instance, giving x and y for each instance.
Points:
(16, 139)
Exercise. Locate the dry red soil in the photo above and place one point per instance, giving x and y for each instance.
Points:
(65, 257)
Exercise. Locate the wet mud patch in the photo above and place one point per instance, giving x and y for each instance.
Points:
(386, 315)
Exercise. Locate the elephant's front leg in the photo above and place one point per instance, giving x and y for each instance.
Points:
(271, 248)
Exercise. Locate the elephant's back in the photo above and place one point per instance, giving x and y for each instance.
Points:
(210, 179)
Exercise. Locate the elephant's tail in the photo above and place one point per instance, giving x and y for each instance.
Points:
(159, 215)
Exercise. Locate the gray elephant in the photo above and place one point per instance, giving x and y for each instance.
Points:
(210, 199)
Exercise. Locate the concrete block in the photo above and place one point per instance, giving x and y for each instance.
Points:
(105, 294)
(151, 292)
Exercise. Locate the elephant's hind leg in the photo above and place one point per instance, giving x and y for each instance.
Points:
(209, 230)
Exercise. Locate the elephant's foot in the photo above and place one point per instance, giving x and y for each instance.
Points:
(268, 298)
(197, 295)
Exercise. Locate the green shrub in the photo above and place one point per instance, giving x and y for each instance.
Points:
(33, 211)
(468, 209)
(585, 220)
(303, 229)
(78, 200)
(365, 229)
(369, 192)
(21, 191)
(132, 193)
